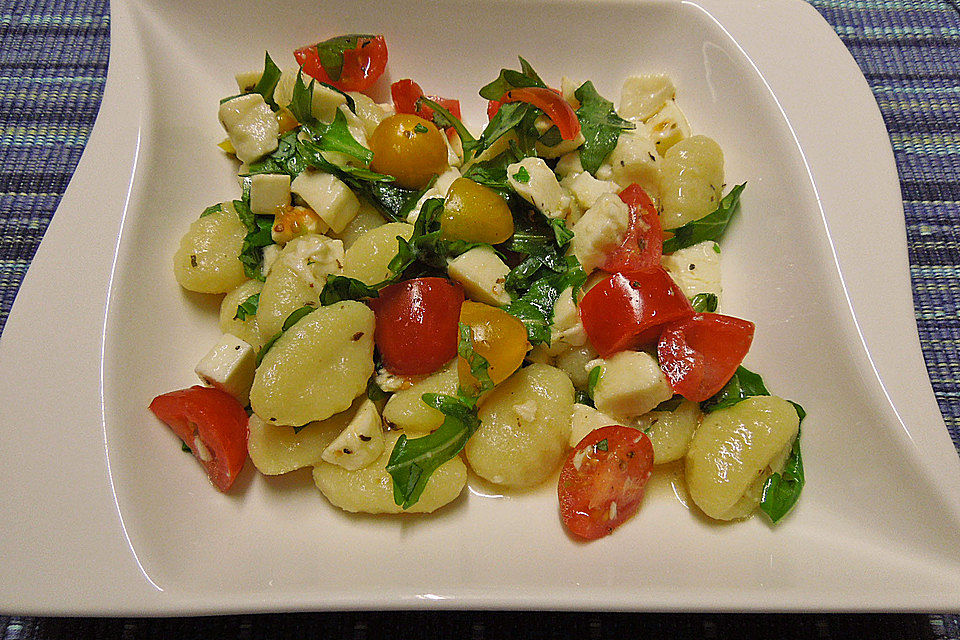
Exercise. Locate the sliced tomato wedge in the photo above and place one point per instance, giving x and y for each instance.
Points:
(406, 93)
(213, 424)
(700, 354)
(642, 247)
(492, 107)
(602, 482)
(362, 65)
(418, 324)
(551, 103)
(625, 312)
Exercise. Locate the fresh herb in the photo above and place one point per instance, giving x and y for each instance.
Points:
(214, 208)
(338, 288)
(512, 116)
(705, 302)
(522, 175)
(561, 232)
(593, 378)
(510, 79)
(331, 52)
(535, 307)
(710, 227)
(492, 172)
(291, 320)
(426, 244)
(478, 364)
(258, 236)
(185, 447)
(336, 137)
(744, 384)
(670, 405)
(443, 118)
(374, 392)
(301, 100)
(782, 490)
(600, 126)
(268, 81)
(602, 445)
(248, 307)
(582, 397)
(420, 128)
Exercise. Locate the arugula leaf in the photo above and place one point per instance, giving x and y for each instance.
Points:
(522, 175)
(258, 236)
(600, 126)
(782, 490)
(535, 307)
(331, 52)
(248, 307)
(670, 405)
(212, 209)
(336, 136)
(268, 81)
(704, 302)
(301, 101)
(339, 288)
(493, 172)
(582, 397)
(510, 79)
(744, 384)
(710, 227)
(443, 118)
(291, 320)
(426, 245)
(593, 378)
(374, 392)
(478, 364)
(561, 232)
(517, 116)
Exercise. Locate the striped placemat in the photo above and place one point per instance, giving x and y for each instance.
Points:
(53, 60)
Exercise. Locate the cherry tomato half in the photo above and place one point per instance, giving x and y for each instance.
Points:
(405, 94)
(624, 312)
(362, 64)
(642, 247)
(551, 103)
(602, 482)
(213, 424)
(700, 354)
(417, 324)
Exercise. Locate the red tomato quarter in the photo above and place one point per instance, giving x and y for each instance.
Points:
(362, 65)
(213, 424)
(623, 312)
(405, 94)
(602, 482)
(551, 103)
(417, 324)
(642, 247)
(700, 354)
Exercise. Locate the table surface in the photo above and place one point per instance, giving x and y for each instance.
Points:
(53, 62)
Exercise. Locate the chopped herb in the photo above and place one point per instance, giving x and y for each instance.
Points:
(600, 126)
(593, 378)
(214, 208)
(710, 227)
(443, 118)
(339, 288)
(561, 232)
(258, 236)
(478, 364)
(268, 81)
(744, 384)
(601, 446)
(705, 302)
(374, 392)
(336, 137)
(301, 102)
(582, 397)
(670, 405)
(185, 447)
(291, 320)
(510, 79)
(782, 490)
(248, 307)
(522, 175)
(420, 128)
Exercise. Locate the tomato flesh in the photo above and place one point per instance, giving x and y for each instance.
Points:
(603, 480)
(551, 103)
(362, 66)
(417, 324)
(642, 247)
(406, 93)
(213, 424)
(625, 312)
(700, 354)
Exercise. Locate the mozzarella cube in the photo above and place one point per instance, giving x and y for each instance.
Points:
(313, 257)
(667, 127)
(251, 126)
(695, 269)
(325, 102)
(567, 330)
(360, 442)
(569, 164)
(587, 419)
(247, 80)
(631, 383)
(270, 254)
(601, 229)
(537, 184)
(586, 189)
(643, 96)
(482, 274)
(438, 190)
(357, 129)
(326, 194)
(635, 160)
(229, 366)
(269, 192)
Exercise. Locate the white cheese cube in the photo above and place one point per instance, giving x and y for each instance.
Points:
(247, 80)
(635, 160)
(229, 366)
(695, 269)
(567, 330)
(269, 192)
(313, 257)
(569, 164)
(643, 96)
(568, 89)
(587, 419)
(482, 274)
(601, 229)
(325, 102)
(326, 194)
(667, 127)
(631, 383)
(586, 189)
(540, 187)
(360, 442)
(438, 190)
(270, 254)
(251, 126)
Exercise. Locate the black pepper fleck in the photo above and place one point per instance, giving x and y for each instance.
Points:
(357, 335)
(347, 451)
(364, 438)
(193, 260)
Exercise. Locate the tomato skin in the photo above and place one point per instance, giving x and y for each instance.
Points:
(624, 312)
(700, 354)
(592, 479)
(642, 247)
(362, 66)
(217, 419)
(405, 94)
(551, 103)
(492, 107)
(417, 324)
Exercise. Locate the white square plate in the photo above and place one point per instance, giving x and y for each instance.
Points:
(101, 513)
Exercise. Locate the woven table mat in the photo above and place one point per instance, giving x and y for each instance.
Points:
(53, 61)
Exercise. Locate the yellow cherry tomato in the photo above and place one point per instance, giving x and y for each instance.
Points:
(498, 337)
(475, 213)
(409, 148)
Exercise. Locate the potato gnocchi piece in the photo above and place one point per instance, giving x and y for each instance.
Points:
(370, 489)
(369, 256)
(247, 330)
(691, 181)
(671, 431)
(276, 449)
(317, 367)
(525, 427)
(406, 410)
(367, 218)
(643, 96)
(207, 260)
(731, 454)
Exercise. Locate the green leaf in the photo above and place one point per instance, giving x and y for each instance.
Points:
(561, 232)
(268, 81)
(705, 302)
(593, 378)
(509, 117)
(301, 102)
(522, 175)
(258, 236)
(291, 320)
(248, 307)
(744, 384)
(374, 392)
(603, 445)
(670, 405)
(443, 118)
(493, 172)
(331, 52)
(582, 397)
(510, 79)
(336, 137)
(214, 208)
(479, 367)
(185, 447)
(782, 490)
(600, 126)
(711, 227)
(338, 288)
(535, 307)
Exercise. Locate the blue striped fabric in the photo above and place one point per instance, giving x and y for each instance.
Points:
(53, 60)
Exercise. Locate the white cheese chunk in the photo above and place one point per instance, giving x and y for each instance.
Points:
(229, 366)
(325, 102)
(635, 160)
(393, 382)
(586, 189)
(567, 330)
(631, 383)
(643, 96)
(667, 127)
(269, 192)
(540, 188)
(438, 190)
(601, 229)
(360, 442)
(357, 129)
(313, 257)
(695, 269)
(251, 126)
(270, 254)
(569, 164)
(326, 194)
(482, 274)
(587, 419)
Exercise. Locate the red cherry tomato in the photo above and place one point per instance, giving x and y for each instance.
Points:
(602, 482)
(213, 424)
(700, 354)
(362, 65)
(624, 312)
(551, 103)
(405, 94)
(492, 107)
(417, 324)
(642, 247)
